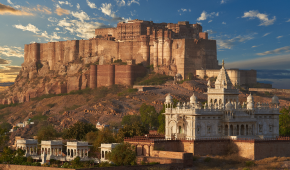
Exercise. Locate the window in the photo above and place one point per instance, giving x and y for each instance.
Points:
(180, 130)
(270, 128)
(208, 129)
(103, 154)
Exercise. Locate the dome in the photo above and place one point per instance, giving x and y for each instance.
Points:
(168, 98)
(275, 100)
(229, 106)
(250, 98)
(193, 99)
(178, 75)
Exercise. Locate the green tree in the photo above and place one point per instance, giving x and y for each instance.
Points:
(130, 119)
(6, 125)
(79, 130)
(3, 137)
(13, 157)
(149, 116)
(91, 136)
(123, 154)
(104, 136)
(47, 133)
(136, 129)
(284, 122)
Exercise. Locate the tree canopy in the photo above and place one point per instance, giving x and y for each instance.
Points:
(284, 122)
(136, 129)
(79, 130)
(123, 154)
(149, 116)
(47, 133)
(130, 119)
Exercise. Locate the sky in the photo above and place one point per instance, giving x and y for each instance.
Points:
(249, 34)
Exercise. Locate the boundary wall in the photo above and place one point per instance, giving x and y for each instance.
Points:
(249, 148)
(270, 90)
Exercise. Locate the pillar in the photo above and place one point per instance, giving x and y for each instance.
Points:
(229, 127)
(239, 129)
(155, 54)
(245, 130)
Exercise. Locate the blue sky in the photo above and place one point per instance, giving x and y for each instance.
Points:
(249, 34)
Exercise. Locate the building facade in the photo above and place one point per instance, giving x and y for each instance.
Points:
(222, 116)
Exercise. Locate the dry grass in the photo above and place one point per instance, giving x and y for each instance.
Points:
(236, 162)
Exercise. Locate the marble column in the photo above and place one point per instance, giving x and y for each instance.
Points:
(229, 127)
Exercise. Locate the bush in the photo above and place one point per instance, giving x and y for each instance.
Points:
(36, 164)
(207, 159)
(79, 130)
(154, 79)
(123, 154)
(51, 105)
(250, 163)
(29, 159)
(104, 164)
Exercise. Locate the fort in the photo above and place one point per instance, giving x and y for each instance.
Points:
(61, 67)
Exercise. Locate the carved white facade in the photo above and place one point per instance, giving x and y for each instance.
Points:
(222, 115)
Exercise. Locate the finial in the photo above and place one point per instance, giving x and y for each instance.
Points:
(223, 63)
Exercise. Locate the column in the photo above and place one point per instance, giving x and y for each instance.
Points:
(234, 130)
(245, 129)
(229, 127)
(239, 129)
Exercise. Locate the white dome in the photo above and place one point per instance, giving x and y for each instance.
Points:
(178, 75)
(275, 100)
(193, 99)
(229, 106)
(168, 98)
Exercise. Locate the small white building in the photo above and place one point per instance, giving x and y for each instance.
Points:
(222, 116)
(29, 145)
(78, 148)
(51, 150)
(105, 149)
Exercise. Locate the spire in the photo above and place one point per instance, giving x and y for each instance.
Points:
(223, 79)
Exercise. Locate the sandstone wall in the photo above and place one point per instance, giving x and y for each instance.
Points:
(266, 149)
(248, 77)
(270, 90)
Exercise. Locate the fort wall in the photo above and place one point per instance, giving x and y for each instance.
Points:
(270, 90)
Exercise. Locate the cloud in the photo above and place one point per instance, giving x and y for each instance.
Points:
(223, 1)
(266, 34)
(183, 10)
(78, 6)
(121, 2)
(224, 23)
(288, 20)
(229, 43)
(60, 11)
(29, 27)
(210, 31)
(35, 30)
(57, 29)
(254, 46)
(91, 5)
(3, 61)
(81, 29)
(279, 37)
(11, 51)
(12, 70)
(209, 21)
(66, 3)
(278, 50)
(106, 8)
(273, 62)
(273, 74)
(133, 1)
(16, 6)
(81, 15)
(265, 21)
(52, 19)
(8, 10)
(204, 15)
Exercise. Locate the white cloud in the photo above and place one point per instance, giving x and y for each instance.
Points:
(78, 6)
(66, 3)
(223, 1)
(81, 29)
(52, 37)
(57, 28)
(11, 51)
(183, 10)
(210, 31)
(288, 20)
(265, 21)
(254, 46)
(52, 19)
(35, 30)
(204, 15)
(106, 8)
(121, 2)
(209, 21)
(91, 4)
(279, 37)
(277, 50)
(29, 27)
(133, 1)
(81, 15)
(266, 34)
(229, 43)
(224, 23)
(15, 6)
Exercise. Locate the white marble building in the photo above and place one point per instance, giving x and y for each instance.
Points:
(29, 145)
(222, 115)
(105, 149)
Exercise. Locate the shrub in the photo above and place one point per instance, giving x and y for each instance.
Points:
(123, 154)
(51, 105)
(104, 164)
(207, 159)
(29, 159)
(36, 164)
(250, 163)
